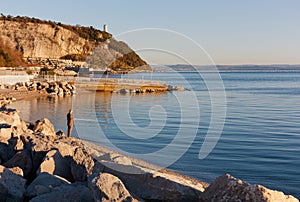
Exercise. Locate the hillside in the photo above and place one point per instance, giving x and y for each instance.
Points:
(10, 57)
(38, 40)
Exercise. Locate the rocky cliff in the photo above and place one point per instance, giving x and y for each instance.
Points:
(35, 38)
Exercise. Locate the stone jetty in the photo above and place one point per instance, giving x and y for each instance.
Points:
(125, 86)
(38, 163)
(45, 87)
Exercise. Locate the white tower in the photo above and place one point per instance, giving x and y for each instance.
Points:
(105, 29)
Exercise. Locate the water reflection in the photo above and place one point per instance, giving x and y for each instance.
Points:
(54, 108)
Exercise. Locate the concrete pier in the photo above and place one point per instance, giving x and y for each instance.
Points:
(123, 85)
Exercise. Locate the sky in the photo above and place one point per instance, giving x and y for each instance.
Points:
(196, 31)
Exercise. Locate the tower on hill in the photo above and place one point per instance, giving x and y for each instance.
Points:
(105, 29)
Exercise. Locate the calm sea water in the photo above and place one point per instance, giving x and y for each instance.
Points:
(260, 141)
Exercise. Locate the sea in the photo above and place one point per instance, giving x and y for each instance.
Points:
(245, 123)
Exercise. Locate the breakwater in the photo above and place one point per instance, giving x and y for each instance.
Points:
(126, 85)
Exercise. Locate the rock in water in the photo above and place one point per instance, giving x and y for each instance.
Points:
(106, 187)
(227, 188)
(12, 186)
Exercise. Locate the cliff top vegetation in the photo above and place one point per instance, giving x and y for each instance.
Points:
(89, 33)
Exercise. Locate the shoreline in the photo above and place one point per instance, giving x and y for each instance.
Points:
(34, 89)
(22, 95)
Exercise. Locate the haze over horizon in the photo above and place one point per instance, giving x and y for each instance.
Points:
(231, 33)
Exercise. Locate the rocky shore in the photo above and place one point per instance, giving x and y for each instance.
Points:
(39, 164)
(32, 89)
(46, 87)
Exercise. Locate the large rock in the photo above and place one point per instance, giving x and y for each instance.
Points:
(21, 159)
(16, 143)
(6, 152)
(17, 171)
(156, 185)
(55, 164)
(39, 146)
(228, 188)
(10, 117)
(11, 135)
(66, 148)
(45, 127)
(122, 160)
(5, 132)
(67, 193)
(106, 187)
(145, 180)
(81, 164)
(12, 186)
(44, 183)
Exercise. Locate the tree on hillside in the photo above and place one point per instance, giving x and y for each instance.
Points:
(9, 56)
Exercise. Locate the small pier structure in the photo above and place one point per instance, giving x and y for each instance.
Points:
(122, 85)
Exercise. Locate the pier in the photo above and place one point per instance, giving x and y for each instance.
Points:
(122, 85)
(114, 85)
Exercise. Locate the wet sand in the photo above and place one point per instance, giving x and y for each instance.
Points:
(22, 95)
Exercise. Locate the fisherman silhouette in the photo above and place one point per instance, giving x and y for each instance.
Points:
(70, 122)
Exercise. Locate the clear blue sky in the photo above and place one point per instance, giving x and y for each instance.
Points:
(231, 31)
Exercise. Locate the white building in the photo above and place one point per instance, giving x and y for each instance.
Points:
(105, 29)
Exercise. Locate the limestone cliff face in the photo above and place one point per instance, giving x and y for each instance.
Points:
(36, 40)
(39, 39)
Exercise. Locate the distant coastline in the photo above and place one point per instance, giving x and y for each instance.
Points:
(226, 68)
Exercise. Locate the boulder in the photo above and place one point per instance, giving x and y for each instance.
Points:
(44, 84)
(98, 168)
(76, 192)
(66, 149)
(60, 91)
(228, 188)
(106, 187)
(39, 146)
(21, 159)
(66, 91)
(6, 152)
(60, 133)
(145, 180)
(81, 164)
(32, 88)
(62, 84)
(156, 185)
(21, 88)
(45, 127)
(11, 118)
(12, 186)
(122, 160)
(16, 143)
(44, 183)
(17, 170)
(5, 133)
(69, 86)
(55, 164)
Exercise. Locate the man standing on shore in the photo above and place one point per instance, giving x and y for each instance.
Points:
(70, 122)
